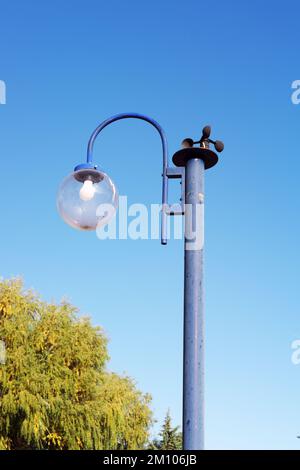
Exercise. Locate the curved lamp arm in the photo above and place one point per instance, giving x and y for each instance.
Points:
(164, 142)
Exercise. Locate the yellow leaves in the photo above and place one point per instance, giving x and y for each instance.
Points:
(13, 300)
(55, 393)
(5, 307)
(5, 443)
(46, 340)
(79, 442)
(53, 439)
(36, 424)
(125, 412)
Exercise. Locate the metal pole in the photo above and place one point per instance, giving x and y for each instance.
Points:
(193, 365)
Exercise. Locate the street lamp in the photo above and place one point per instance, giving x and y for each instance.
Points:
(87, 188)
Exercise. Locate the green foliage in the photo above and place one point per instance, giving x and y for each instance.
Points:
(170, 438)
(55, 392)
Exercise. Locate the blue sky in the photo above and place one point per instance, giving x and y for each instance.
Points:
(69, 65)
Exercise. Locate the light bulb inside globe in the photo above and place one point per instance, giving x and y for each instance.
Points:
(87, 191)
(87, 199)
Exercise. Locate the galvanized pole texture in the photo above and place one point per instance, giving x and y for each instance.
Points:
(195, 160)
(193, 351)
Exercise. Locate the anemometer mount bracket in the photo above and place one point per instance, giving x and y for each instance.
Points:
(209, 157)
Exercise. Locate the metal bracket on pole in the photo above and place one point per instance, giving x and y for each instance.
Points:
(177, 173)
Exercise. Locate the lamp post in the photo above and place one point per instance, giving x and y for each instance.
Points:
(87, 188)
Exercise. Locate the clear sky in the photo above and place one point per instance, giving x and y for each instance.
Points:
(69, 65)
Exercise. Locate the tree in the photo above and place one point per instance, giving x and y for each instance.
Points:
(170, 437)
(55, 392)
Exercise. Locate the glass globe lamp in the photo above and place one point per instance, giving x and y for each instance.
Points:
(87, 199)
